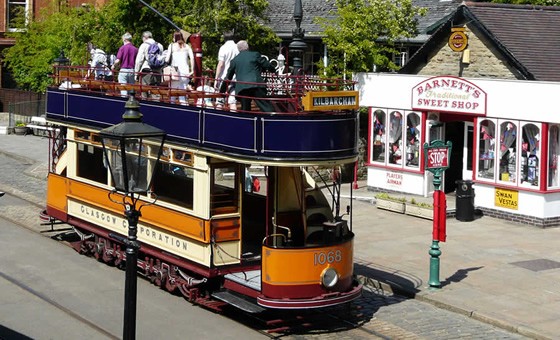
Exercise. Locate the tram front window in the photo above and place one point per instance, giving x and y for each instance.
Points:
(90, 163)
(225, 189)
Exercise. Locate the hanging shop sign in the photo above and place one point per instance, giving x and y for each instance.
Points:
(449, 94)
(458, 40)
(506, 198)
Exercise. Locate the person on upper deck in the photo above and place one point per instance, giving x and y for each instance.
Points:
(180, 56)
(247, 67)
(141, 64)
(227, 52)
(126, 57)
(99, 64)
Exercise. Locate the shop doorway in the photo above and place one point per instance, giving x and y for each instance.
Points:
(454, 132)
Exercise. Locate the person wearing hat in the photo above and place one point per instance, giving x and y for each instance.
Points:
(180, 56)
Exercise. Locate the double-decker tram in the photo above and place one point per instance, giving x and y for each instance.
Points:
(213, 234)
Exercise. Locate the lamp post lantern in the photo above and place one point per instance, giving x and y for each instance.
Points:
(132, 150)
(60, 62)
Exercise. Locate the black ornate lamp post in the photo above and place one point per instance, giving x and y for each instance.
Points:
(297, 46)
(132, 150)
(59, 63)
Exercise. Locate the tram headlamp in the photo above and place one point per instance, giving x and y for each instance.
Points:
(329, 277)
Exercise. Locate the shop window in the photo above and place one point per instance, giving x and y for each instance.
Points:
(508, 152)
(91, 164)
(530, 155)
(378, 137)
(413, 124)
(486, 151)
(174, 184)
(553, 155)
(395, 138)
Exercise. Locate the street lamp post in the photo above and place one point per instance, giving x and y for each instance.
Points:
(298, 45)
(132, 150)
(59, 61)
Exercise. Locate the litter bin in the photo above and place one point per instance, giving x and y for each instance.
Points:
(464, 203)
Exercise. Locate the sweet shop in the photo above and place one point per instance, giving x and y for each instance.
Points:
(504, 133)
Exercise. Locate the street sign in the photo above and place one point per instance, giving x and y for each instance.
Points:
(438, 158)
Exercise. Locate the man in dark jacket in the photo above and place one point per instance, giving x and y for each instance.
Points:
(247, 66)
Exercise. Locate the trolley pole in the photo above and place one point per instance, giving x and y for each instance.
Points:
(437, 161)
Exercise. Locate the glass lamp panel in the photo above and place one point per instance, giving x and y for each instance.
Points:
(113, 159)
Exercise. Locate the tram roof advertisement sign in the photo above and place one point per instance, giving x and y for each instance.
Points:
(449, 94)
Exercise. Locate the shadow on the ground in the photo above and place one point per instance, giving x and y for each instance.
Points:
(7, 333)
(459, 276)
(401, 282)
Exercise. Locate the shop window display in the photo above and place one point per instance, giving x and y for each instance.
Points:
(508, 151)
(553, 155)
(395, 138)
(529, 155)
(412, 139)
(486, 151)
(378, 137)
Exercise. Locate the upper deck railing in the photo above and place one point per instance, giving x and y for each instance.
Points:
(285, 92)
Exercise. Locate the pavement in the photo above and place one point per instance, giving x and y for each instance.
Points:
(494, 271)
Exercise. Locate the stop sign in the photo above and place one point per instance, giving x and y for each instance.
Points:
(437, 158)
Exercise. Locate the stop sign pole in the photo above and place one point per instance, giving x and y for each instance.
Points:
(437, 155)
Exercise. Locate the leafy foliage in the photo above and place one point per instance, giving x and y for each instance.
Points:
(72, 28)
(364, 34)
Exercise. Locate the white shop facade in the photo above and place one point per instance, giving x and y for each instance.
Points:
(505, 135)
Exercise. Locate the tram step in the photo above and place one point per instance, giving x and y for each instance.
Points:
(238, 302)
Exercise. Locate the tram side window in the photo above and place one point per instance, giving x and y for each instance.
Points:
(486, 151)
(508, 152)
(225, 189)
(174, 184)
(378, 137)
(90, 163)
(530, 155)
(553, 155)
(395, 138)
(413, 140)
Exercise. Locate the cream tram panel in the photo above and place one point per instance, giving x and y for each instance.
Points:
(154, 236)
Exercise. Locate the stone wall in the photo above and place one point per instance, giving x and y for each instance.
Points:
(485, 60)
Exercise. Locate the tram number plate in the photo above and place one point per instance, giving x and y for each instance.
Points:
(328, 257)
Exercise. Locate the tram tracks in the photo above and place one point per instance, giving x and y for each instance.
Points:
(58, 306)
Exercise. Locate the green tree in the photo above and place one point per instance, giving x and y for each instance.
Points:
(70, 28)
(363, 34)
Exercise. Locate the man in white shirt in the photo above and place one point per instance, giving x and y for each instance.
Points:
(227, 52)
(141, 64)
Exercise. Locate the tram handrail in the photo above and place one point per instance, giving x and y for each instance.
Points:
(285, 92)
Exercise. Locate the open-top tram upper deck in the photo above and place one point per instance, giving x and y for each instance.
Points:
(311, 124)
